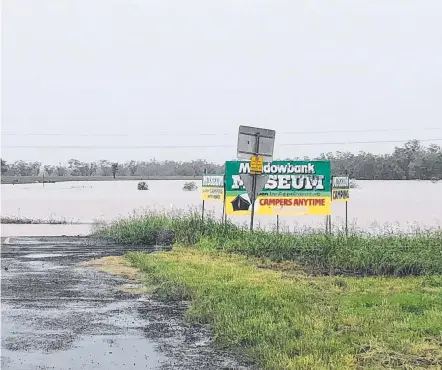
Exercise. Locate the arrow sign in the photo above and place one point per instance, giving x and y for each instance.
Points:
(260, 181)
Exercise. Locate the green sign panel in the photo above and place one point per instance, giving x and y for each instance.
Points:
(288, 182)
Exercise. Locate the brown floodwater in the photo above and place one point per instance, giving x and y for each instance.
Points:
(376, 204)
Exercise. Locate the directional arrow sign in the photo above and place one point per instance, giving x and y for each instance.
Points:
(247, 180)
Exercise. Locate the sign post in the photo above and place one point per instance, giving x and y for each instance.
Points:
(341, 193)
(202, 213)
(212, 189)
(255, 144)
(224, 199)
(256, 163)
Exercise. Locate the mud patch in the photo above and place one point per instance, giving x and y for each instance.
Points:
(115, 265)
(136, 288)
(165, 324)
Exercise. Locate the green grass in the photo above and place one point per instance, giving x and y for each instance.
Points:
(319, 253)
(276, 297)
(283, 318)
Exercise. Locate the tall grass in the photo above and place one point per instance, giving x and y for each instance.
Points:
(361, 254)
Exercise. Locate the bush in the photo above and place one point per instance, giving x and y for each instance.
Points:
(190, 186)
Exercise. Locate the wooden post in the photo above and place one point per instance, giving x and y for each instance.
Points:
(202, 212)
(224, 200)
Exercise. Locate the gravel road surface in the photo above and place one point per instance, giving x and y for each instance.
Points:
(59, 315)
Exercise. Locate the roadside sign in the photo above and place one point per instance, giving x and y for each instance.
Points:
(256, 165)
(291, 188)
(340, 189)
(255, 141)
(212, 188)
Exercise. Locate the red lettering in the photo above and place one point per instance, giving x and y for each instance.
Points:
(300, 202)
(263, 202)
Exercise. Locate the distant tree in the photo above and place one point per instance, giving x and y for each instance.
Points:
(5, 167)
(132, 166)
(49, 169)
(105, 167)
(114, 169)
(93, 168)
(74, 167)
(22, 168)
(60, 170)
(35, 168)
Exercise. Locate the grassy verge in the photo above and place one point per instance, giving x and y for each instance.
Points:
(319, 253)
(282, 318)
(25, 220)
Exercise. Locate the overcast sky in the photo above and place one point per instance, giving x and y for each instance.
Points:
(136, 73)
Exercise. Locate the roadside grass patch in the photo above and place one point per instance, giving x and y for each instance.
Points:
(319, 253)
(283, 318)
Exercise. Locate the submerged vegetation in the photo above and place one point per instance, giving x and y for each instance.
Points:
(190, 186)
(299, 301)
(25, 220)
(142, 185)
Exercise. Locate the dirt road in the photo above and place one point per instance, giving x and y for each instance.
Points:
(57, 314)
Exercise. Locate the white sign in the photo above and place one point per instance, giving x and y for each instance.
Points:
(255, 141)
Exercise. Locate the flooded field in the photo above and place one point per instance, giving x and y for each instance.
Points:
(376, 204)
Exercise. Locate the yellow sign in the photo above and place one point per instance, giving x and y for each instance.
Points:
(256, 165)
(340, 195)
(212, 188)
(279, 205)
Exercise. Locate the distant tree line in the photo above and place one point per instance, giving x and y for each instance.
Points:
(409, 162)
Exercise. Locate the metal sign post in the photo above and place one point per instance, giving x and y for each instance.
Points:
(223, 218)
(202, 212)
(255, 169)
(341, 193)
(255, 144)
